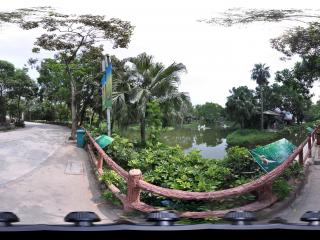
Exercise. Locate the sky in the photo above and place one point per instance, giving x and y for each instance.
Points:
(217, 58)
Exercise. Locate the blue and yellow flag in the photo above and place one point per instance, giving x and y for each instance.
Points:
(106, 84)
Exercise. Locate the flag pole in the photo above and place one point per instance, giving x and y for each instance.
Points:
(108, 112)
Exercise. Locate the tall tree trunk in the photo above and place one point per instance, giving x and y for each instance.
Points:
(83, 113)
(143, 130)
(74, 124)
(3, 109)
(262, 108)
(73, 111)
(91, 120)
(19, 108)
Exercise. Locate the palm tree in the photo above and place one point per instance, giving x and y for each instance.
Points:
(121, 87)
(260, 73)
(154, 81)
(241, 105)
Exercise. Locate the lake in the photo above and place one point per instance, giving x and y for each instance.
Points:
(211, 142)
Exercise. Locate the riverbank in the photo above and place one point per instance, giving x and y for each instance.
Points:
(253, 137)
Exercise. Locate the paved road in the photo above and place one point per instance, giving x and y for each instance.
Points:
(43, 176)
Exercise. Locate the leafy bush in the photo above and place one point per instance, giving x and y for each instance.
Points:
(241, 163)
(96, 131)
(154, 116)
(122, 151)
(281, 188)
(295, 170)
(170, 167)
(111, 177)
(108, 195)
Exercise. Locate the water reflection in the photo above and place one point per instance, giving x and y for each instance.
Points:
(211, 142)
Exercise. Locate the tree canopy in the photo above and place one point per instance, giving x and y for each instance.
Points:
(235, 16)
(210, 113)
(241, 106)
(69, 36)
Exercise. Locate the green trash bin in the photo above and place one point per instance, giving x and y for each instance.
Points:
(80, 138)
(104, 140)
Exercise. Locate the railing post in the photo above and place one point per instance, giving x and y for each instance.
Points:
(309, 146)
(100, 164)
(301, 157)
(133, 191)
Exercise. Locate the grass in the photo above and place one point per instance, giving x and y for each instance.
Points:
(193, 125)
(251, 137)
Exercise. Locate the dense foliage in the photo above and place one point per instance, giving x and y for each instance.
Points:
(209, 113)
(254, 137)
(241, 106)
(17, 90)
(170, 167)
(250, 137)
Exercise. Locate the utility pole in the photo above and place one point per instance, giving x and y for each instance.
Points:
(108, 108)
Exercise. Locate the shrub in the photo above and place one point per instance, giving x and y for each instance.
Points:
(295, 170)
(171, 167)
(281, 188)
(241, 163)
(111, 177)
(121, 150)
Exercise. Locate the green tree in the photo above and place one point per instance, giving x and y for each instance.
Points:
(176, 108)
(154, 117)
(313, 112)
(71, 35)
(272, 96)
(122, 112)
(296, 96)
(241, 106)
(210, 113)
(260, 73)
(54, 84)
(153, 81)
(6, 73)
(21, 87)
(304, 42)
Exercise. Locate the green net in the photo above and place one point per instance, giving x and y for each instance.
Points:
(272, 155)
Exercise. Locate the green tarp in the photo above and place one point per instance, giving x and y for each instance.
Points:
(272, 155)
(104, 140)
(309, 129)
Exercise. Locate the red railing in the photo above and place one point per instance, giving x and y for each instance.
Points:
(135, 183)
